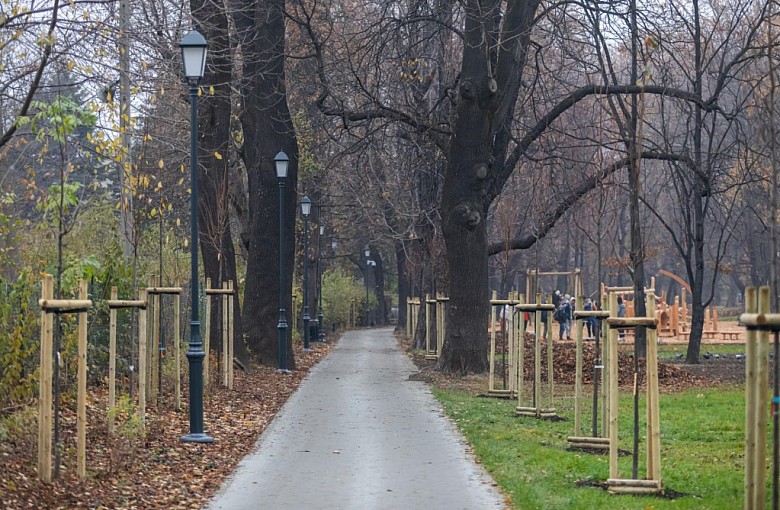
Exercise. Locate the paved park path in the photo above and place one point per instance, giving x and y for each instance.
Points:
(358, 434)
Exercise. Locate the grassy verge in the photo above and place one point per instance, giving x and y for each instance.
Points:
(701, 452)
(667, 351)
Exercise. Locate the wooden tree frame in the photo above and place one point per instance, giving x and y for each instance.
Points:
(50, 307)
(115, 304)
(652, 483)
(511, 340)
(227, 295)
(176, 293)
(535, 409)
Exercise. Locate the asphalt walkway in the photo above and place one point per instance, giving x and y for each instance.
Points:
(358, 434)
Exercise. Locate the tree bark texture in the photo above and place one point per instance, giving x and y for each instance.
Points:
(268, 129)
(216, 239)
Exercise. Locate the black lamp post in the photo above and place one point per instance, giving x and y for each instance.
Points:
(367, 253)
(320, 317)
(282, 162)
(193, 53)
(305, 211)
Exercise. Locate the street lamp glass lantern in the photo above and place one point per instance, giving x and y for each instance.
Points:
(367, 252)
(193, 54)
(305, 206)
(282, 162)
(322, 230)
(333, 243)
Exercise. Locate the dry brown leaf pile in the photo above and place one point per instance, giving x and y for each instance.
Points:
(162, 472)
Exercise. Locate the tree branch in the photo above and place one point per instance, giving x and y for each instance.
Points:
(549, 220)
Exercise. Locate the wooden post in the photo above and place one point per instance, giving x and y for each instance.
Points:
(492, 359)
(538, 366)
(207, 338)
(762, 382)
(142, 361)
(112, 361)
(408, 318)
(231, 297)
(604, 389)
(613, 391)
(714, 319)
(751, 404)
(521, 356)
(653, 416)
(44, 395)
(81, 411)
(437, 306)
(225, 348)
(578, 377)
(550, 371)
(427, 324)
(154, 346)
(177, 347)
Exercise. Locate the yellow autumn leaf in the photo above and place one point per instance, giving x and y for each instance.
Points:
(211, 90)
(217, 155)
(153, 213)
(161, 165)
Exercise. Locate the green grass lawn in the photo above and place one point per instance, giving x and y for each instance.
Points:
(702, 445)
(669, 351)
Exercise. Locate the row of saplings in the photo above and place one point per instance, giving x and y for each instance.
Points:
(148, 357)
(510, 354)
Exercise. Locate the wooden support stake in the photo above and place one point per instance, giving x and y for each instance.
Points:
(44, 395)
(142, 360)
(578, 378)
(225, 348)
(538, 366)
(653, 417)
(427, 324)
(155, 349)
(177, 348)
(492, 360)
(408, 318)
(521, 357)
(230, 334)
(762, 397)
(81, 409)
(207, 338)
(550, 371)
(613, 392)
(751, 307)
(112, 361)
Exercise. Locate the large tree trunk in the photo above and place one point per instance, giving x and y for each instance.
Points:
(267, 129)
(403, 285)
(216, 240)
(464, 207)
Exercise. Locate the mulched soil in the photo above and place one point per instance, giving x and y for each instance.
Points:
(159, 471)
(672, 376)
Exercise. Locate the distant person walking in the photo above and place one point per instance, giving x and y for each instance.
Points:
(563, 316)
(621, 312)
(590, 322)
